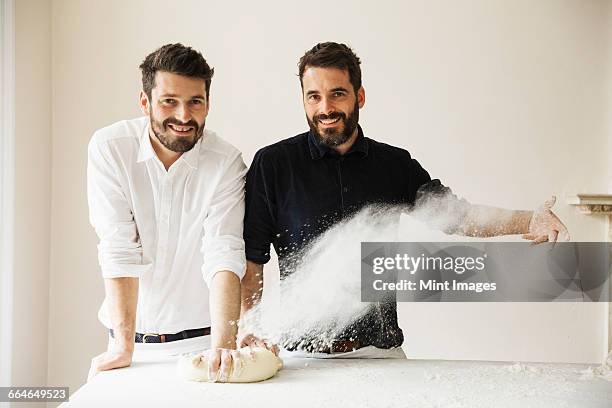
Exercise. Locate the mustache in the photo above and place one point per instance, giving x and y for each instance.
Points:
(173, 121)
(331, 115)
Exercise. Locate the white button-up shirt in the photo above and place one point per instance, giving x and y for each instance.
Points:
(171, 229)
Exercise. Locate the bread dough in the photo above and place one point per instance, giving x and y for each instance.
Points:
(263, 366)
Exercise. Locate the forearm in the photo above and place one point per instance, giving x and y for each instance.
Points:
(224, 309)
(122, 296)
(252, 286)
(485, 221)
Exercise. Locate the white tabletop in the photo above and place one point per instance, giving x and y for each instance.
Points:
(354, 383)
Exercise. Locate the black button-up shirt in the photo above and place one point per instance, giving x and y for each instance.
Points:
(298, 188)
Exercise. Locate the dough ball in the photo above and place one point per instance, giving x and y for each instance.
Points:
(264, 365)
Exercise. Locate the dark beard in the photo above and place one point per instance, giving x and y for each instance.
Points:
(170, 142)
(332, 137)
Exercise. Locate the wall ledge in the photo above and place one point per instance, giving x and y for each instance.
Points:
(592, 203)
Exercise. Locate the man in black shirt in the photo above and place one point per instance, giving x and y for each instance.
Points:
(299, 187)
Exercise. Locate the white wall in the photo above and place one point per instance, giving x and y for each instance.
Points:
(608, 148)
(7, 181)
(608, 104)
(503, 100)
(522, 86)
(32, 193)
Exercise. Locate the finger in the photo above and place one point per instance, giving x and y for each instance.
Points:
(196, 361)
(112, 361)
(540, 239)
(226, 366)
(251, 353)
(106, 363)
(550, 203)
(269, 346)
(246, 340)
(243, 342)
(214, 362)
(565, 236)
(529, 237)
(552, 236)
(563, 232)
(275, 349)
(236, 363)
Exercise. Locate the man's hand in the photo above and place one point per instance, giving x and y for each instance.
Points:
(109, 360)
(222, 363)
(546, 226)
(250, 340)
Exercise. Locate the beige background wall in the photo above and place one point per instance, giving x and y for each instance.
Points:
(608, 109)
(504, 101)
(32, 193)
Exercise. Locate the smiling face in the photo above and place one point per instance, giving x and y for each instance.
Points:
(177, 109)
(331, 105)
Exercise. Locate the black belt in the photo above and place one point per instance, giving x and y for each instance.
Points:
(166, 338)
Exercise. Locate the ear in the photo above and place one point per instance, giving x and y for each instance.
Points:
(145, 106)
(207, 104)
(361, 97)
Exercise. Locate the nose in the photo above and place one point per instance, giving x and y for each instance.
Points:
(326, 106)
(182, 113)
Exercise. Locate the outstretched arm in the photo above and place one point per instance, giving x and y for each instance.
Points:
(540, 225)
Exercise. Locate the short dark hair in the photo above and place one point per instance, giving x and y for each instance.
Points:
(332, 55)
(176, 59)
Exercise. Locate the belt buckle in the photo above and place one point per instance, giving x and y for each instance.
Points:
(144, 336)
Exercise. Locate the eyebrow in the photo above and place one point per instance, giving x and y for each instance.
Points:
(170, 95)
(339, 89)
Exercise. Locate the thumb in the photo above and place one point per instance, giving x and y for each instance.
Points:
(245, 341)
(548, 204)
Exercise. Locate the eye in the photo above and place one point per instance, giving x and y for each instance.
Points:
(168, 101)
(313, 98)
(197, 102)
(338, 94)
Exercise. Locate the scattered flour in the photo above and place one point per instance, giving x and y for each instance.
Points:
(323, 294)
(604, 371)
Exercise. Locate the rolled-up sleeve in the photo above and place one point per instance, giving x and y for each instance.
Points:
(440, 208)
(119, 250)
(222, 241)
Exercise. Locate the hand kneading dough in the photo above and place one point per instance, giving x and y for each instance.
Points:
(264, 366)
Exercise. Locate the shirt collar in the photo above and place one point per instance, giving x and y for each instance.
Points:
(146, 152)
(318, 150)
(192, 157)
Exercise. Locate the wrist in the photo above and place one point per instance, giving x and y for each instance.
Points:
(124, 348)
(526, 218)
(124, 340)
(224, 342)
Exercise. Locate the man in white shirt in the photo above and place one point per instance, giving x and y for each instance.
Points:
(166, 198)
